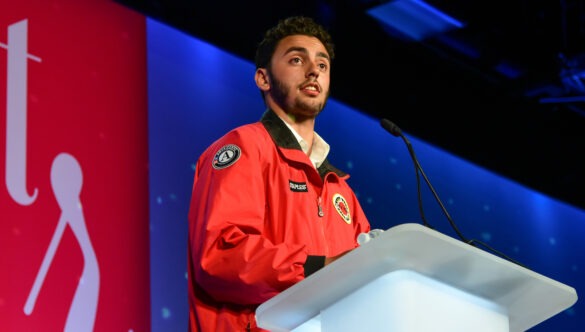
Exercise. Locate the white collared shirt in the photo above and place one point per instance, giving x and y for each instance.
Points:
(320, 148)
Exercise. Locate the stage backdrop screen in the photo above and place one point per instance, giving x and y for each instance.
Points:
(197, 92)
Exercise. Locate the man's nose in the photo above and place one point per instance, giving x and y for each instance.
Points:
(313, 70)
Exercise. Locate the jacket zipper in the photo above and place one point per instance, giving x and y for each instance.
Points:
(319, 207)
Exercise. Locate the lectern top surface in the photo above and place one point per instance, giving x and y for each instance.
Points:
(529, 297)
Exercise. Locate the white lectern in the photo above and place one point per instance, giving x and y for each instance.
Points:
(412, 278)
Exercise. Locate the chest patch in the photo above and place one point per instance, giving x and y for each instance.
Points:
(297, 186)
(342, 207)
(226, 156)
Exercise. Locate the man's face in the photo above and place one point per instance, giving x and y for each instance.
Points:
(300, 76)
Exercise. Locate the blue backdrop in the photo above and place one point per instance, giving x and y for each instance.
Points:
(197, 92)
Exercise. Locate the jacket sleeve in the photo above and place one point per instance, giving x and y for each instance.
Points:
(233, 260)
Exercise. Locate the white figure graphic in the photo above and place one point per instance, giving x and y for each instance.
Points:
(16, 111)
(67, 181)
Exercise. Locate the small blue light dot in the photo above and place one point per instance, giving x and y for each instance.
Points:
(166, 313)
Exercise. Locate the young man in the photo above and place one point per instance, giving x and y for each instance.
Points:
(267, 208)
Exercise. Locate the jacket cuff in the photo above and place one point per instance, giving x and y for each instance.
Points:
(313, 264)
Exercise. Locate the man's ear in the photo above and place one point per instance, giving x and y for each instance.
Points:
(262, 79)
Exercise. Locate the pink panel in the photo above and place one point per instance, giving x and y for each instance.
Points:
(74, 239)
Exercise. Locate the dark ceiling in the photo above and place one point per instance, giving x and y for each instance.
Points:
(505, 91)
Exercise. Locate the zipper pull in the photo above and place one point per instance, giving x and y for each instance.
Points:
(319, 207)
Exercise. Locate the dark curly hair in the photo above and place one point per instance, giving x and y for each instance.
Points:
(295, 25)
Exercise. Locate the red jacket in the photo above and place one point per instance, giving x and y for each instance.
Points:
(261, 219)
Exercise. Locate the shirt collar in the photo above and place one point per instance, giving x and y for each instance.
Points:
(320, 148)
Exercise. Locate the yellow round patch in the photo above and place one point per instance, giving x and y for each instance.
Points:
(342, 208)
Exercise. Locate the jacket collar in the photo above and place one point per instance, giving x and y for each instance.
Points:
(284, 138)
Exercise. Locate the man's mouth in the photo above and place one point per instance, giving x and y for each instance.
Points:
(312, 88)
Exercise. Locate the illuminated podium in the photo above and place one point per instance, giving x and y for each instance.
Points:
(412, 278)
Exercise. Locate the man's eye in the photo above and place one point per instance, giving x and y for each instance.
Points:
(323, 66)
(296, 60)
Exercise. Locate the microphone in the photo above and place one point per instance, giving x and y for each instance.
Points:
(393, 129)
(396, 131)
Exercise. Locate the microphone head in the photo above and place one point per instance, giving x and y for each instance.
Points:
(391, 127)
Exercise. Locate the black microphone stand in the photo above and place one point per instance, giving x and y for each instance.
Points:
(396, 131)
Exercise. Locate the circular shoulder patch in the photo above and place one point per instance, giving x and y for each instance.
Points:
(226, 156)
(342, 207)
